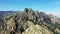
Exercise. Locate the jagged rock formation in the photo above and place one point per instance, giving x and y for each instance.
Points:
(28, 22)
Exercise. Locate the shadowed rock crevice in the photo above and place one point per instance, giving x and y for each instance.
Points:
(12, 32)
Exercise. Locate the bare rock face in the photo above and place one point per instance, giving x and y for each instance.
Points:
(28, 22)
(36, 29)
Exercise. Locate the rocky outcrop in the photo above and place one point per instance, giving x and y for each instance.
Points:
(28, 22)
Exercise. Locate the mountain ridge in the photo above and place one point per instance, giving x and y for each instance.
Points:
(29, 22)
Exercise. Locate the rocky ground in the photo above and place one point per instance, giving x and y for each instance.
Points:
(29, 22)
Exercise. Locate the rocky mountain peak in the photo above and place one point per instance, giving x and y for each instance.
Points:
(28, 22)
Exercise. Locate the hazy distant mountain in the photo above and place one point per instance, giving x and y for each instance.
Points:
(6, 13)
(54, 18)
(29, 22)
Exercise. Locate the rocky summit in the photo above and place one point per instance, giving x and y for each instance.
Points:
(29, 22)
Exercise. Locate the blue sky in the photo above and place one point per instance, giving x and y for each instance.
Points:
(47, 6)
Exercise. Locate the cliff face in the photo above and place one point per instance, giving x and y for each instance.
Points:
(28, 22)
